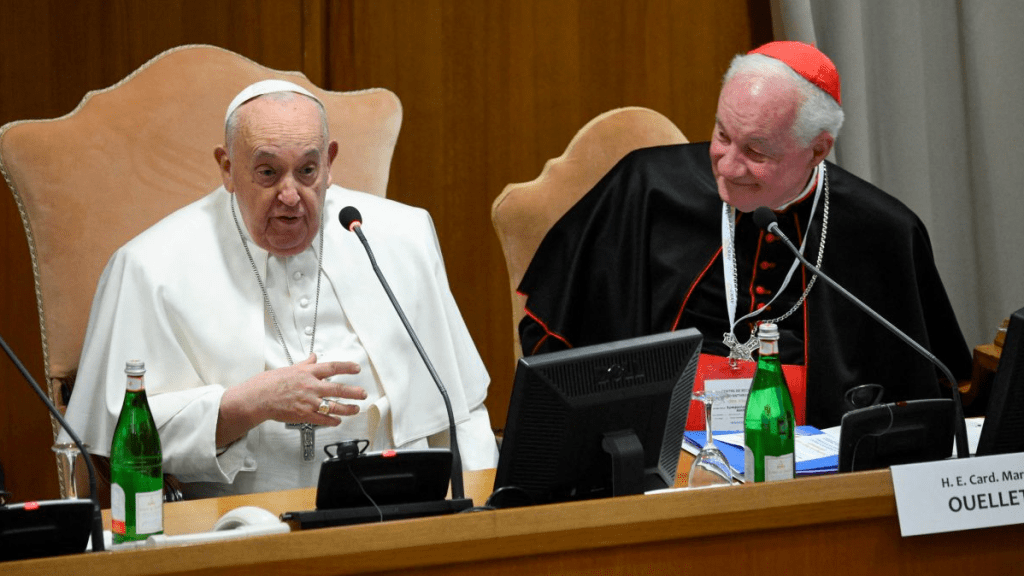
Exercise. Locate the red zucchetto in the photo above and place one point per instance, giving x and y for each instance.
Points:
(807, 61)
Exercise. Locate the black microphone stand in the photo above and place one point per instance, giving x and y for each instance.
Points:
(458, 492)
(766, 220)
(97, 519)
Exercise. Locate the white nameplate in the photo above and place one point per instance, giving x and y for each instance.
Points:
(959, 494)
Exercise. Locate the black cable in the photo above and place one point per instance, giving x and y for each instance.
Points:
(363, 490)
(856, 446)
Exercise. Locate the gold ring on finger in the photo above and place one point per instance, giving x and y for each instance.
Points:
(325, 406)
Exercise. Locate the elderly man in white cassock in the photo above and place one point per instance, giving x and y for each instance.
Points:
(258, 315)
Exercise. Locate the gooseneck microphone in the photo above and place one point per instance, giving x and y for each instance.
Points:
(766, 220)
(351, 220)
(97, 517)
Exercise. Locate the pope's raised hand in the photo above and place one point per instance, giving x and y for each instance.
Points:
(291, 394)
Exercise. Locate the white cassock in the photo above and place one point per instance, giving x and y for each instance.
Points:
(183, 297)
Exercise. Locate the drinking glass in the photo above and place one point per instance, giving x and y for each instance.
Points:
(710, 468)
(67, 461)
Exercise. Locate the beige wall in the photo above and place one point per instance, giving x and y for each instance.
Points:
(491, 89)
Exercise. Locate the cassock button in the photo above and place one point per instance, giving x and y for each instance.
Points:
(760, 305)
(304, 302)
(769, 237)
(762, 290)
(765, 265)
(309, 330)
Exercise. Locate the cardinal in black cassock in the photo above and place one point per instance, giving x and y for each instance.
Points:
(653, 248)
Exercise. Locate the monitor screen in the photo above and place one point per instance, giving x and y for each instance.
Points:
(600, 420)
(1003, 432)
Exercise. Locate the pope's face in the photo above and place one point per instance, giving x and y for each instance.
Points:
(754, 156)
(278, 167)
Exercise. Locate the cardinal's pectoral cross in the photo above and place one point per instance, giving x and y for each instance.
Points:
(307, 434)
(737, 351)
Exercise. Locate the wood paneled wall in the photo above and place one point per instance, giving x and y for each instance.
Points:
(491, 89)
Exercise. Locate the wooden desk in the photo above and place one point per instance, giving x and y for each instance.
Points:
(841, 524)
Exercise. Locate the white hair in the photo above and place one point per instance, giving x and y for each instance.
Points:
(817, 112)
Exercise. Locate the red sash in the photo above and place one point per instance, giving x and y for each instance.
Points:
(717, 368)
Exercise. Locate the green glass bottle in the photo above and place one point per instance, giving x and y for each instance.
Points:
(136, 465)
(769, 427)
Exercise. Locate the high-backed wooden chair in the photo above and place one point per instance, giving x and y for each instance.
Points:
(130, 154)
(524, 212)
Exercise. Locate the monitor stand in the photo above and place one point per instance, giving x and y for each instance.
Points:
(627, 456)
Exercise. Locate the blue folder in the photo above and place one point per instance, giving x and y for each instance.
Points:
(734, 454)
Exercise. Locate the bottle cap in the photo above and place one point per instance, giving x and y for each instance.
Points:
(135, 368)
(768, 331)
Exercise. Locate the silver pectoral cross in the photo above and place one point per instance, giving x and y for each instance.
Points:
(307, 434)
(739, 351)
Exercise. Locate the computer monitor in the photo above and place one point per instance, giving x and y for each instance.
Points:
(1003, 432)
(598, 421)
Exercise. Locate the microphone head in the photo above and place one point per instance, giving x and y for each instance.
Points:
(764, 217)
(349, 217)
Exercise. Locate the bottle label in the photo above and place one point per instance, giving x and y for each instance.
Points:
(117, 509)
(775, 467)
(778, 467)
(149, 512)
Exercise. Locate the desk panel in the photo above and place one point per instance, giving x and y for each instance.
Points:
(840, 524)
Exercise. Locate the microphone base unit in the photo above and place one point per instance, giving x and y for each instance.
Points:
(384, 478)
(62, 510)
(365, 514)
(44, 528)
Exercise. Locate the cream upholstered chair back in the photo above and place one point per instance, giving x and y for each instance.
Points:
(523, 213)
(130, 154)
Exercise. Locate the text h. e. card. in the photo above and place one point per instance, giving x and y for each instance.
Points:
(960, 494)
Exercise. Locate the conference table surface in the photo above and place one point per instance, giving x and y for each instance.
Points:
(836, 524)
